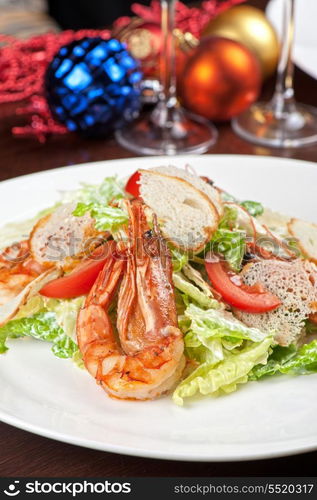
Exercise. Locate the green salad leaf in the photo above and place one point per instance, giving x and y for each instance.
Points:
(289, 360)
(253, 207)
(107, 218)
(66, 312)
(225, 349)
(229, 218)
(111, 188)
(179, 259)
(192, 293)
(224, 376)
(95, 200)
(230, 244)
(228, 240)
(41, 326)
(212, 323)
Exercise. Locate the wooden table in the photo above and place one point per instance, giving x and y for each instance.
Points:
(25, 454)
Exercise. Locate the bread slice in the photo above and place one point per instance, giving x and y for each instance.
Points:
(212, 193)
(295, 284)
(59, 236)
(187, 216)
(306, 235)
(275, 221)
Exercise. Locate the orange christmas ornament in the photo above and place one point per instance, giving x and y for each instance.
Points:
(221, 79)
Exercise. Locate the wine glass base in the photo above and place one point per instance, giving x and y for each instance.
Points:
(189, 134)
(293, 128)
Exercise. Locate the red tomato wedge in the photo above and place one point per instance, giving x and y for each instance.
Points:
(132, 187)
(253, 299)
(80, 280)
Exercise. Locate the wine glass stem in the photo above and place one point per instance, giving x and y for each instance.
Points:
(284, 91)
(167, 60)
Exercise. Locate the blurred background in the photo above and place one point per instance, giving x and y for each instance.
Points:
(26, 17)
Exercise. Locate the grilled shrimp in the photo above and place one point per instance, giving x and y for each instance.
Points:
(17, 270)
(144, 357)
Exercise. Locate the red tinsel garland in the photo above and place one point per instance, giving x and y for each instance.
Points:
(23, 63)
(192, 19)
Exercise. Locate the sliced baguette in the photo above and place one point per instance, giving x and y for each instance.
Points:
(60, 235)
(295, 283)
(275, 221)
(186, 215)
(196, 181)
(306, 235)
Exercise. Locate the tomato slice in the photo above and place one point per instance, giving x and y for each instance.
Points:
(81, 279)
(132, 186)
(253, 299)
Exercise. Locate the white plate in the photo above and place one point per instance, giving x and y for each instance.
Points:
(53, 398)
(305, 46)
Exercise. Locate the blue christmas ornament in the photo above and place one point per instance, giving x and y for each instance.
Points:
(93, 86)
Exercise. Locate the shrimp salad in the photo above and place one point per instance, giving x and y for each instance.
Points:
(163, 284)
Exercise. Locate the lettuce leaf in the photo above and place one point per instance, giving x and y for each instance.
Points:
(191, 292)
(225, 349)
(230, 244)
(289, 360)
(95, 199)
(196, 277)
(211, 323)
(211, 378)
(111, 188)
(253, 207)
(228, 240)
(107, 218)
(179, 259)
(41, 326)
(66, 312)
(52, 320)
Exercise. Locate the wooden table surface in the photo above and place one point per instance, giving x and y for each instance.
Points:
(25, 454)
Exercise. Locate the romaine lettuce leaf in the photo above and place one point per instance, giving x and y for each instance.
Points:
(211, 323)
(192, 292)
(229, 240)
(289, 360)
(225, 349)
(210, 378)
(196, 277)
(107, 218)
(253, 207)
(111, 188)
(179, 259)
(230, 244)
(66, 312)
(41, 326)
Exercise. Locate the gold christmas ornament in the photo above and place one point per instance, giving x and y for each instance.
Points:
(249, 26)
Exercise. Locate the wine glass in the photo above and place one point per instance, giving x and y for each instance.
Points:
(282, 122)
(168, 129)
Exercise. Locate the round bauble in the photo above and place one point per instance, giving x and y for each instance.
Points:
(220, 80)
(92, 86)
(249, 26)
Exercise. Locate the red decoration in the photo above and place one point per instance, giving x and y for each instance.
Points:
(187, 19)
(221, 79)
(23, 64)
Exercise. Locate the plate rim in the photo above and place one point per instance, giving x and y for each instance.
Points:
(159, 455)
(158, 158)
